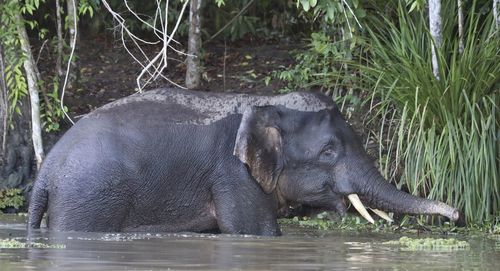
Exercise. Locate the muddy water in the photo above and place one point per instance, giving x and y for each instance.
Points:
(298, 249)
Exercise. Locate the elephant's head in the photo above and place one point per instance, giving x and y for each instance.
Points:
(315, 159)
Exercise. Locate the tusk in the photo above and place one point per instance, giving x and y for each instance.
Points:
(356, 202)
(383, 215)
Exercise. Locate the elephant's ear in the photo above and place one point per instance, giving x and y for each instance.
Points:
(259, 145)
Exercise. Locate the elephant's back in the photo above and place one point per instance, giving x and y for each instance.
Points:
(202, 108)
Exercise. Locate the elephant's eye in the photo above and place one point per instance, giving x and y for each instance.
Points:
(328, 151)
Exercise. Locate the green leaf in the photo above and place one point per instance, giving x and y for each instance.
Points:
(360, 13)
(330, 13)
(413, 6)
(305, 5)
(219, 3)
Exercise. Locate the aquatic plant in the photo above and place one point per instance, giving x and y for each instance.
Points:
(12, 243)
(408, 225)
(417, 244)
(349, 222)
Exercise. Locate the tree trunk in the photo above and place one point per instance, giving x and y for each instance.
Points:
(435, 28)
(60, 40)
(72, 8)
(4, 107)
(460, 27)
(32, 78)
(194, 46)
(16, 155)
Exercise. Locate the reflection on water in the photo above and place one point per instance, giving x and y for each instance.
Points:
(298, 249)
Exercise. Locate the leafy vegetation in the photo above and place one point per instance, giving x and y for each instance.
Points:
(408, 225)
(416, 244)
(322, 63)
(11, 198)
(349, 223)
(16, 81)
(439, 134)
(319, 66)
(14, 77)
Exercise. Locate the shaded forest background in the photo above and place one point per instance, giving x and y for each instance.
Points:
(418, 79)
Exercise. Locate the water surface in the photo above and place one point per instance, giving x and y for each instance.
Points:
(298, 249)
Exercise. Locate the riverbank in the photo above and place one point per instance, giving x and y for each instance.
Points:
(408, 225)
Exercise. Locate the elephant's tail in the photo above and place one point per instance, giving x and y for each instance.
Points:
(38, 203)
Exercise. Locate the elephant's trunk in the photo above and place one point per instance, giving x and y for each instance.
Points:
(380, 194)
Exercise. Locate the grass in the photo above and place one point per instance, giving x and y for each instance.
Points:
(438, 137)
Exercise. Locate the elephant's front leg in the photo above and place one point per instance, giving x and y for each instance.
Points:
(245, 209)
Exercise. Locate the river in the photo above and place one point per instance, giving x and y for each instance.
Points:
(297, 249)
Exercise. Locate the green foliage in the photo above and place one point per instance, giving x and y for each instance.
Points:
(415, 4)
(30, 6)
(241, 22)
(14, 57)
(306, 4)
(341, 12)
(219, 3)
(439, 244)
(322, 64)
(11, 198)
(408, 225)
(348, 223)
(87, 7)
(440, 135)
(52, 112)
(242, 26)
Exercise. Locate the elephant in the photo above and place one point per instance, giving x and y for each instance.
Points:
(173, 160)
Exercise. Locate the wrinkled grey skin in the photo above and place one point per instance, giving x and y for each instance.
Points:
(174, 160)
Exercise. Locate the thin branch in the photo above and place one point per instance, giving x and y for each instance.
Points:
(348, 25)
(40, 51)
(356, 18)
(73, 46)
(154, 67)
(5, 104)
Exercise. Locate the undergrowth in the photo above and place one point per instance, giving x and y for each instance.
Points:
(11, 198)
(440, 135)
